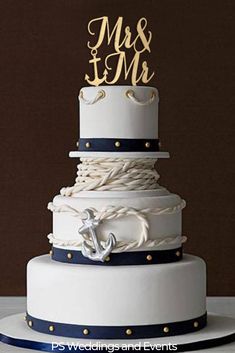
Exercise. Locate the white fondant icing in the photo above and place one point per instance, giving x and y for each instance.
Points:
(77, 154)
(116, 115)
(66, 225)
(119, 295)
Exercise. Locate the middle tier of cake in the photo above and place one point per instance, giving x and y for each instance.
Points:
(159, 211)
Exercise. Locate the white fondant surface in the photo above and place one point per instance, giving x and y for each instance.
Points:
(117, 116)
(218, 326)
(77, 154)
(120, 295)
(66, 226)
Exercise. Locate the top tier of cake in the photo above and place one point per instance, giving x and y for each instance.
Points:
(119, 112)
(119, 120)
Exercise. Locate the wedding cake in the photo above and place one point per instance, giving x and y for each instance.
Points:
(117, 269)
(116, 277)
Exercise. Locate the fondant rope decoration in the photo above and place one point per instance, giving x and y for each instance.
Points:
(100, 95)
(131, 95)
(121, 245)
(115, 212)
(114, 174)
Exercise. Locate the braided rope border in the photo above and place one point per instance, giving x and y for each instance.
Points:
(114, 174)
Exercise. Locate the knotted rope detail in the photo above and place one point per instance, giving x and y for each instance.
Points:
(131, 95)
(100, 95)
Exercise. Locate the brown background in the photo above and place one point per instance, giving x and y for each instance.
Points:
(43, 61)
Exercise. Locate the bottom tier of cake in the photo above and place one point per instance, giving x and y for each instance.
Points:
(77, 300)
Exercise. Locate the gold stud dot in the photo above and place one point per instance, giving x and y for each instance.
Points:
(147, 144)
(51, 328)
(195, 324)
(128, 332)
(50, 252)
(107, 258)
(129, 93)
(69, 255)
(88, 145)
(30, 323)
(77, 143)
(102, 93)
(85, 331)
(149, 257)
(117, 144)
(166, 329)
(178, 253)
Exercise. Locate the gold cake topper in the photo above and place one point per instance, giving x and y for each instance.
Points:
(121, 43)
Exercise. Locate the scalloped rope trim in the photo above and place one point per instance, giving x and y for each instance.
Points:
(131, 95)
(100, 95)
(114, 174)
(121, 245)
(115, 212)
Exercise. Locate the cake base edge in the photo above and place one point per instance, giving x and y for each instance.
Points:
(14, 331)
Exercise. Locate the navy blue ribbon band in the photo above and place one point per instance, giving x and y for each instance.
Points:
(48, 347)
(120, 259)
(118, 145)
(117, 332)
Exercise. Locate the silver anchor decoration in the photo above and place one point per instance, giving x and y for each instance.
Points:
(99, 252)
